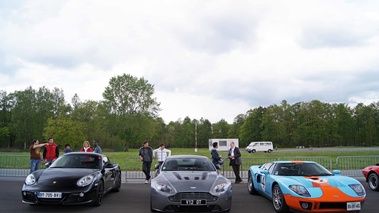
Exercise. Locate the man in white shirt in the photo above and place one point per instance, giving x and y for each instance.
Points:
(235, 161)
(161, 153)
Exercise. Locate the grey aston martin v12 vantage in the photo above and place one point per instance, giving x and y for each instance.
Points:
(190, 183)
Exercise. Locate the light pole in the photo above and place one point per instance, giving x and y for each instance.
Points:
(195, 136)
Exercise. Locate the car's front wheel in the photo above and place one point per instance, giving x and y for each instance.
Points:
(117, 184)
(278, 201)
(99, 194)
(250, 185)
(373, 181)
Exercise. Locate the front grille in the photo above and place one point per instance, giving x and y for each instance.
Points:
(193, 195)
(50, 201)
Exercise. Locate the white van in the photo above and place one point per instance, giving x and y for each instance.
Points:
(223, 144)
(260, 146)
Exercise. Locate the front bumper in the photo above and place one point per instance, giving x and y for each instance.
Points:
(171, 203)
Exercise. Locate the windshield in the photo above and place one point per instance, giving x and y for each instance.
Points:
(300, 169)
(188, 164)
(78, 161)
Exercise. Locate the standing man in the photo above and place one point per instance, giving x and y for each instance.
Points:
(235, 161)
(35, 155)
(161, 153)
(146, 156)
(51, 152)
(96, 147)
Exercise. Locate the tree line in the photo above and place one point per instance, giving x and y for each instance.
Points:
(129, 115)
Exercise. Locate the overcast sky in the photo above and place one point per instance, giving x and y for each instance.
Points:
(206, 59)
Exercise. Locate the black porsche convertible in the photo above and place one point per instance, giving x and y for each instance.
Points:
(74, 178)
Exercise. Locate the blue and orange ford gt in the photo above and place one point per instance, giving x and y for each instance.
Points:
(305, 186)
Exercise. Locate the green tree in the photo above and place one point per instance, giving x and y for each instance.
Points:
(251, 130)
(365, 125)
(131, 109)
(129, 95)
(5, 120)
(65, 131)
(204, 132)
(220, 129)
(235, 127)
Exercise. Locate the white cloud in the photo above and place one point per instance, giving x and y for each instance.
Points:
(210, 59)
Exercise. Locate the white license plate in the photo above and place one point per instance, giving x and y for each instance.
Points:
(49, 194)
(353, 206)
(193, 202)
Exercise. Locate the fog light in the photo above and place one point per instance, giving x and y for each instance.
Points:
(24, 193)
(81, 194)
(306, 205)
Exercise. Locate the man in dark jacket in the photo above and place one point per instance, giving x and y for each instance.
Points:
(235, 161)
(146, 156)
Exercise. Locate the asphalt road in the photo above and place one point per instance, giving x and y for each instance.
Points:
(134, 198)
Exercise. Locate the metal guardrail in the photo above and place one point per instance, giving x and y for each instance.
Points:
(322, 160)
(15, 165)
(19, 165)
(352, 165)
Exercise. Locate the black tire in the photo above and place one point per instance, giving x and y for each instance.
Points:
(253, 151)
(373, 182)
(250, 185)
(99, 194)
(278, 201)
(117, 183)
(269, 151)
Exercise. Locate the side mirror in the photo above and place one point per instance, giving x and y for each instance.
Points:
(48, 164)
(156, 167)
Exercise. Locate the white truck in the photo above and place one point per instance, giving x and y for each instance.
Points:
(260, 146)
(223, 144)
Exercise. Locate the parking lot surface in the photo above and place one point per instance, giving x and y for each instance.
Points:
(134, 197)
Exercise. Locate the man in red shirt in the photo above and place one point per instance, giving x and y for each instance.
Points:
(51, 152)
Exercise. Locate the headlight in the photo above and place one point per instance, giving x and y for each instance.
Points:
(358, 189)
(30, 179)
(221, 187)
(163, 187)
(85, 181)
(300, 190)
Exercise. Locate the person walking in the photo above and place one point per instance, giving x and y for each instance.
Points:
(51, 152)
(146, 156)
(86, 147)
(215, 156)
(235, 161)
(96, 147)
(35, 155)
(161, 153)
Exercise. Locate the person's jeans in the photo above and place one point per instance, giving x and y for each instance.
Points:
(34, 165)
(146, 169)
